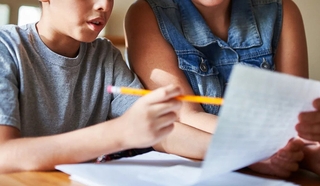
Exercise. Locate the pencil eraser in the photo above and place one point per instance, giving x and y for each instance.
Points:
(109, 89)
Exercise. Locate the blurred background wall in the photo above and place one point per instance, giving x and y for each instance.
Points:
(310, 10)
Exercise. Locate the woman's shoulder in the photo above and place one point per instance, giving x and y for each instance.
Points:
(291, 5)
(139, 7)
(291, 13)
(153, 3)
(139, 12)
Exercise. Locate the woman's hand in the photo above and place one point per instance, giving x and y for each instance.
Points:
(284, 162)
(309, 123)
(311, 159)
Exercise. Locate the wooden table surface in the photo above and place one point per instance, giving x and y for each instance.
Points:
(53, 178)
(56, 178)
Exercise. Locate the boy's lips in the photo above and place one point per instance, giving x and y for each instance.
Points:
(96, 24)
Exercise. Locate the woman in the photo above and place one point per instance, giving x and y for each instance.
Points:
(195, 43)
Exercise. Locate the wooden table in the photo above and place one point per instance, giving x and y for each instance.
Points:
(56, 178)
(53, 178)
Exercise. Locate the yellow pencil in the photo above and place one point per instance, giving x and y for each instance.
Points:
(189, 98)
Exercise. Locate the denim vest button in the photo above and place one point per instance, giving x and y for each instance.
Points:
(265, 64)
(203, 66)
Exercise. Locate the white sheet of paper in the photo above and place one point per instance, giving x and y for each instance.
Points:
(257, 118)
(152, 169)
(186, 175)
(123, 171)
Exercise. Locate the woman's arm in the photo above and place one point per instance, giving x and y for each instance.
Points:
(292, 55)
(153, 59)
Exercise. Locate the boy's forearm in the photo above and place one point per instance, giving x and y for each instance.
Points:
(43, 153)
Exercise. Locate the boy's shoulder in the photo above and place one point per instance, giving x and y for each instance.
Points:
(8, 27)
(102, 43)
(102, 40)
(11, 28)
(10, 33)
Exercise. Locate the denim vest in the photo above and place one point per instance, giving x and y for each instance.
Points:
(207, 60)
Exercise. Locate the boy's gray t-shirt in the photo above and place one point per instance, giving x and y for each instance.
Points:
(44, 93)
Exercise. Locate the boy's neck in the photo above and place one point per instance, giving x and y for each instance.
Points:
(57, 42)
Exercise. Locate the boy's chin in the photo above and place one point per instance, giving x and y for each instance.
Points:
(88, 39)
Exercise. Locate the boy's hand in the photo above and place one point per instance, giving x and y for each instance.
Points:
(309, 123)
(151, 117)
(284, 162)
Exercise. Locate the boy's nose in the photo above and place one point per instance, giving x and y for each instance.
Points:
(104, 5)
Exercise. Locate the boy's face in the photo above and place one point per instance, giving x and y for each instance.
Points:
(81, 20)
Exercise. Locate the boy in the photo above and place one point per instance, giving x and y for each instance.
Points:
(53, 81)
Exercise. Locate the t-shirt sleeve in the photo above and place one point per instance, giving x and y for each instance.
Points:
(123, 76)
(9, 104)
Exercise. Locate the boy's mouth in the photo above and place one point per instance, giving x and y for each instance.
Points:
(96, 24)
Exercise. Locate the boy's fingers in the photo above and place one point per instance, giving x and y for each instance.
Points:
(166, 107)
(163, 94)
(165, 120)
